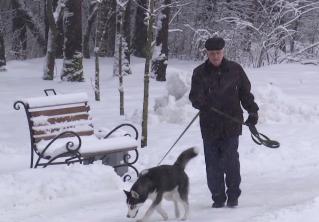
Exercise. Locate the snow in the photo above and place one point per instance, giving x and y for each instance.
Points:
(56, 99)
(90, 144)
(278, 185)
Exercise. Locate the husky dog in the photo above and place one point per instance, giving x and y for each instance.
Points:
(164, 181)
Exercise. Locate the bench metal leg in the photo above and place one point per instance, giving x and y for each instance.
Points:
(126, 158)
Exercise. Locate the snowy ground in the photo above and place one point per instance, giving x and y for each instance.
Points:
(278, 185)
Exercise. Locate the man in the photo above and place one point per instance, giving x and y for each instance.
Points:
(223, 85)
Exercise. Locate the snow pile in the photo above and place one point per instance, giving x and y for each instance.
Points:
(23, 188)
(174, 106)
(275, 106)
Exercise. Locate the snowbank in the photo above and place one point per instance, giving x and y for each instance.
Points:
(275, 106)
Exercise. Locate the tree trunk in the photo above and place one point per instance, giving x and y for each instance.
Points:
(52, 37)
(140, 33)
(72, 27)
(2, 53)
(59, 41)
(96, 51)
(127, 30)
(159, 64)
(119, 53)
(105, 25)
(121, 65)
(86, 38)
(24, 18)
(19, 38)
(111, 28)
(147, 71)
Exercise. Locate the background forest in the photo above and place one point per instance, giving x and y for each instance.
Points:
(258, 32)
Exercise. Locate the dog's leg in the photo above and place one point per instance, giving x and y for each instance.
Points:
(183, 199)
(186, 208)
(160, 210)
(177, 212)
(151, 209)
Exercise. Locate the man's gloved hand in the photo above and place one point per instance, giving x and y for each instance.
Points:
(252, 119)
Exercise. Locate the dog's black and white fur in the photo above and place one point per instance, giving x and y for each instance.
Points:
(164, 181)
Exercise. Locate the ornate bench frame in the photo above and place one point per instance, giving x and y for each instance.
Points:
(72, 153)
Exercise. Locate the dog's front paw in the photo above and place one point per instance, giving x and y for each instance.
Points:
(165, 217)
(177, 213)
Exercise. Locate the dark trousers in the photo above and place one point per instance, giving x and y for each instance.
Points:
(222, 166)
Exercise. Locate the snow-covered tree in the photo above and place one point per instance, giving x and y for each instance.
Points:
(23, 18)
(121, 65)
(151, 13)
(148, 51)
(19, 30)
(48, 72)
(160, 57)
(2, 47)
(2, 53)
(90, 20)
(121, 53)
(106, 26)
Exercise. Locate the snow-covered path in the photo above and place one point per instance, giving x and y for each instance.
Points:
(267, 196)
(277, 185)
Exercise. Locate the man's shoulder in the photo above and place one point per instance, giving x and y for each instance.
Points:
(232, 64)
(200, 67)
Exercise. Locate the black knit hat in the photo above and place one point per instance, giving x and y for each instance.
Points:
(215, 43)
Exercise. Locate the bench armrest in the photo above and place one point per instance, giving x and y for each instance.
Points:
(70, 147)
(123, 125)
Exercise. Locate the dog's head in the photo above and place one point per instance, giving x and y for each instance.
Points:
(134, 202)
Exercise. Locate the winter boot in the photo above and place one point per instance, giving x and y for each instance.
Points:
(232, 203)
(218, 204)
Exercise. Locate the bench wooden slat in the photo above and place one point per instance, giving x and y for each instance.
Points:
(61, 119)
(59, 111)
(49, 137)
(51, 129)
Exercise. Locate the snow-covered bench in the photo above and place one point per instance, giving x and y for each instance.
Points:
(62, 132)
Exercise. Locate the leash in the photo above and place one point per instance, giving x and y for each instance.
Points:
(262, 139)
(258, 138)
(191, 122)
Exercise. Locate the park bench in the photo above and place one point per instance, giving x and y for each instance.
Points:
(62, 132)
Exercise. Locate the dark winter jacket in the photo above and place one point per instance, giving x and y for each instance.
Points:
(226, 88)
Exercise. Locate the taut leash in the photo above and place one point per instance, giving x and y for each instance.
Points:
(191, 122)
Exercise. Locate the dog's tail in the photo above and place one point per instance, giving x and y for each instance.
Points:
(185, 156)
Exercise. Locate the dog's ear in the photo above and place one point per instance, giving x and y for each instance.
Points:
(126, 193)
(135, 195)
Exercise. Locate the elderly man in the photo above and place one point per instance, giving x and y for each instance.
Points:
(223, 85)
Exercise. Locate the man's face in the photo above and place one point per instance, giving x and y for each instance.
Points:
(215, 56)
